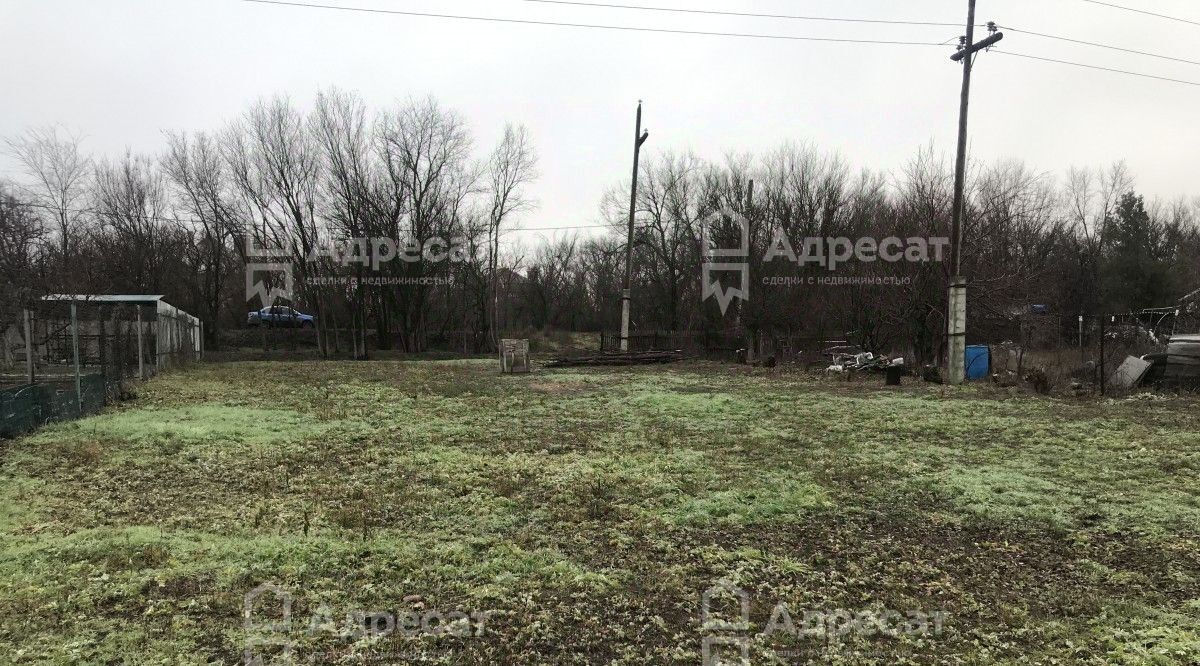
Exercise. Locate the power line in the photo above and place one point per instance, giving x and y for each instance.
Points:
(93, 211)
(1142, 11)
(595, 26)
(793, 17)
(1103, 46)
(1097, 67)
(713, 12)
(566, 228)
(100, 213)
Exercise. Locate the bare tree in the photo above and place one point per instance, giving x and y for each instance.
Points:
(21, 238)
(553, 287)
(133, 227)
(60, 175)
(202, 186)
(672, 202)
(513, 166)
(426, 151)
(275, 165)
(1091, 197)
(339, 125)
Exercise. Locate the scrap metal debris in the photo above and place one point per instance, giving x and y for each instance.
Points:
(1130, 373)
(1178, 367)
(845, 362)
(617, 359)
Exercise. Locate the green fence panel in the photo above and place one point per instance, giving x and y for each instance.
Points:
(30, 406)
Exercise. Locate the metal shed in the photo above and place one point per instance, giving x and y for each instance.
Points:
(176, 335)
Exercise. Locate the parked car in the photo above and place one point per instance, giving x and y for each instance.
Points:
(281, 315)
(1179, 367)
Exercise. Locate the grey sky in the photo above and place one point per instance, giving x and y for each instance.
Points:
(121, 71)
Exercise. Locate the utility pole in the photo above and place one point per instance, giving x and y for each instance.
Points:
(639, 137)
(29, 366)
(956, 319)
(751, 333)
(141, 346)
(75, 356)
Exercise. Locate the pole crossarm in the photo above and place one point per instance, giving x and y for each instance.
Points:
(977, 46)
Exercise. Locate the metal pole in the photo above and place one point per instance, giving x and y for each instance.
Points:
(29, 367)
(141, 347)
(159, 329)
(102, 342)
(639, 138)
(1082, 351)
(75, 352)
(1102, 364)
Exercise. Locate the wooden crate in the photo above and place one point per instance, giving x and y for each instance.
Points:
(514, 356)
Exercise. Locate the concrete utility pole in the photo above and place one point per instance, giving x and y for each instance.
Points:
(639, 137)
(751, 335)
(29, 366)
(956, 319)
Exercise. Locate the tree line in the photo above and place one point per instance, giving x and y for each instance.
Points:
(320, 182)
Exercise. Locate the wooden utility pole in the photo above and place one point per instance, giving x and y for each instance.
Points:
(956, 320)
(639, 137)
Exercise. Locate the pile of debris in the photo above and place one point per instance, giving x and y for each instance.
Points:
(1177, 368)
(617, 359)
(847, 362)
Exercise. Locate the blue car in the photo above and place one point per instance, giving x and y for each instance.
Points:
(281, 315)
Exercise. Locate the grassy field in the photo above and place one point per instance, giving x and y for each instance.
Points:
(577, 517)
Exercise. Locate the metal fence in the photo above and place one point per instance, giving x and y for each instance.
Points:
(1081, 351)
(783, 347)
(64, 359)
(1054, 350)
(30, 406)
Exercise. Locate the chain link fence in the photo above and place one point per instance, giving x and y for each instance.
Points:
(1079, 352)
(62, 359)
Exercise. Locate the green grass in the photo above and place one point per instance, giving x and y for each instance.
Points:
(587, 511)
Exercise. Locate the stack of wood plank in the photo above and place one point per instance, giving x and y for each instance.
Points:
(617, 359)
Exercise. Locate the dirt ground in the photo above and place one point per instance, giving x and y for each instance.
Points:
(437, 512)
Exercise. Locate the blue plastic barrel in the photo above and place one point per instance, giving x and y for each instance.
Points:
(978, 361)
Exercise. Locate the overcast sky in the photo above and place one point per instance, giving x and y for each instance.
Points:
(122, 71)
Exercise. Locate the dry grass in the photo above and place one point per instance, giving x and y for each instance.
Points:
(587, 511)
